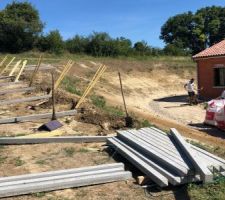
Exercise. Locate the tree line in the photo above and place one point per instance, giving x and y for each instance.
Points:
(22, 30)
(194, 31)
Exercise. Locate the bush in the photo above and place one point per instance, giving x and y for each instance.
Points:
(52, 42)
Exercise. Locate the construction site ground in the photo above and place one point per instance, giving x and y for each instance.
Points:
(153, 92)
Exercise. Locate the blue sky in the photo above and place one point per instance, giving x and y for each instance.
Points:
(133, 19)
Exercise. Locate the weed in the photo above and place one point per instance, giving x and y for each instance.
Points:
(83, 150)
(69, 84)
(39, 194)
(98, 101)
(69, 151)
(145, 123)
(2, 159)
(211, 191)
(19, 162)
(40, 162)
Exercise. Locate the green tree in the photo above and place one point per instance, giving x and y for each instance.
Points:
(20, 26)
(52, 42)
(142, 48)
(78, 44)
(195, 31)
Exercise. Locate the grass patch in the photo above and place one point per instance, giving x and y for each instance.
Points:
(19, 162)
(2, 159)
(83, 150)
(69, 151)
(40, 162)
(69, 84)
(212, 191)
(39, 194)
(100, 102)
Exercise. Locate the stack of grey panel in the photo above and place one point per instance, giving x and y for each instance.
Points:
(54, 180)
(166, 158)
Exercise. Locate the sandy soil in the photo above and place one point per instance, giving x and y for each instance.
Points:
(149, 95)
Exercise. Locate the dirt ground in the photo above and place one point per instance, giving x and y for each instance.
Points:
(149, 95)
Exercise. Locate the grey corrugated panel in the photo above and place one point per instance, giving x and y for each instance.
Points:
(60, 172)
(10, 83)
(205, 173)
(63, 184)
(37, 116)
(151, 147)
(64, 176)
(160, 149)
(162, 159)
(61, 139)
(16, 90)
(28, 99)
(172, 178)
(140, 164)
(216, 161)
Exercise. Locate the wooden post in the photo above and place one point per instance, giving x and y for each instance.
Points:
(21, 70)
(94, 80)
(121, 88)
(3, 60)
(53, 97)
(14, 68)
(6, 67)
(35, 70)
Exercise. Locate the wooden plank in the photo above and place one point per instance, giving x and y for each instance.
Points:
(201, 167)
(21, 70)
(37, 117)
(14, 68)
(28, 99)
(16, 90)
(62, 139)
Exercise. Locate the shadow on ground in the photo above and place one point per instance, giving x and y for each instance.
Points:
(151, 190)
(173, 99)
(211, 130)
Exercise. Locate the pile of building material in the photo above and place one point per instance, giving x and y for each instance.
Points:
(55, 180)
(166, 158)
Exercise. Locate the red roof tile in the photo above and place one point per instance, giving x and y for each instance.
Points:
(215, 50)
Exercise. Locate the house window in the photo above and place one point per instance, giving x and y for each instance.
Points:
(219, 76)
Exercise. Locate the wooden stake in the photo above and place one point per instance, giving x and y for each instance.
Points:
(6, 67)
(96, 77)
(3, 60)
(121, 88)
(53, 97)
(14, 68)
(21, 70)
(35, 70)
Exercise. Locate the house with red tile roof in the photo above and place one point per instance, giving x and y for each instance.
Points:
(211, 70)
